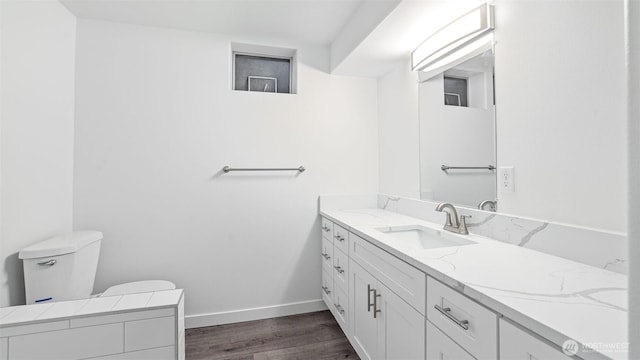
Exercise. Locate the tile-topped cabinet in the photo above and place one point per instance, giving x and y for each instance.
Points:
(135, 326)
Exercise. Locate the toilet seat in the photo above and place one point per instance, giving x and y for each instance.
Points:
(139, 287)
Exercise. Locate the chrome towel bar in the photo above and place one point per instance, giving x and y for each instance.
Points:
(227, 169)
(445, 167)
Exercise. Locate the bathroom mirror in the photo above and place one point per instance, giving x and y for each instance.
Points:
(458, 133)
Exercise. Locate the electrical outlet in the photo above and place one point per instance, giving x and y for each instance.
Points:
(506, 179)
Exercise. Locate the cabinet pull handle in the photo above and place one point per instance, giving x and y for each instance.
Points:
(339, 269)
(447, 312)
(48, 263)
(340, 238)
(375, 303)
(326, 256)
(326, 290)
(325, 228)
(339, 308)
(369, 304)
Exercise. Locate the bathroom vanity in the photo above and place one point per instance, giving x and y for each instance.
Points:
(403, 288)
(133, 326)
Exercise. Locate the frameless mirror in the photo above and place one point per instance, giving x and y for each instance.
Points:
(457, 134)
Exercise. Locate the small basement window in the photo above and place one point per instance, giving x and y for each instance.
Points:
(263, 69)
(456, 91)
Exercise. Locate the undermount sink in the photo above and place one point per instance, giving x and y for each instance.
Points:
(424, 237)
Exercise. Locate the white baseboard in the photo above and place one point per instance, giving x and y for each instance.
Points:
(227, 317)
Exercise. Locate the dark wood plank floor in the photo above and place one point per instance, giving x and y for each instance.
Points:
(305, 336)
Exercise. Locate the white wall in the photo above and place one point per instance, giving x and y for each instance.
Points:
(155, 123)
(632, 22)
(560, 111)
(560, 107)
(38, 52)
(399, 136)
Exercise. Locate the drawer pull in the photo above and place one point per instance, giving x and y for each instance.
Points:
(447, 312)
(339, 308)
(375, 303)
(48, 263)
(326, 256)
(369, 304)
(339, 238)
(326, 290)
(339, 269)
(326, 228)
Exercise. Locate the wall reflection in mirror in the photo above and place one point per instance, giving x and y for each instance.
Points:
(458, 133)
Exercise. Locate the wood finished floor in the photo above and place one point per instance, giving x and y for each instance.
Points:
(305, 336)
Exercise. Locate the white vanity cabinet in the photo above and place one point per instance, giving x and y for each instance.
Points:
(400, 306)
(391, 310)
(383, 326)
(374, 301)
(387, 302)
(335, 272)
(517, 344)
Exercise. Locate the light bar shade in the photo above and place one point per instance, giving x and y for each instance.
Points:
(458, 33)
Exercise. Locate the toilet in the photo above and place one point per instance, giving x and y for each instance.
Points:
(64, 268)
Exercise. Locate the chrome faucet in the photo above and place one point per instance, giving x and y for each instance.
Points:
(489, 205)
(452, 223)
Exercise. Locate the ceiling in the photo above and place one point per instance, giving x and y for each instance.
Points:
(315, 22)
(370, 37)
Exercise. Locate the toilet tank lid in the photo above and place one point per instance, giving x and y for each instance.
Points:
(60, 245)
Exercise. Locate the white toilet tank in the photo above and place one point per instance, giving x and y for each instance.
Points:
(61, 268)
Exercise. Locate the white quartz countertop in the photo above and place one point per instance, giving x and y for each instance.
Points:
(104, 305)
(556, 298)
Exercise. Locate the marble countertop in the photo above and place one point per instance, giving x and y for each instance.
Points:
(556, 298)
(96, 306)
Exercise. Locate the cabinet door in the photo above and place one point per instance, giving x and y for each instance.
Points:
(327, 255)
(327, 287)
(440, 346)
(516, 344)
(363, 324)
(401, 333)
(341, 309)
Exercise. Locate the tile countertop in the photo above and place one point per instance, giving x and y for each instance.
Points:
(96, 306)
(556, 298)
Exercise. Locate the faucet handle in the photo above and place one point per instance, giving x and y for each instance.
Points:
(462, 228)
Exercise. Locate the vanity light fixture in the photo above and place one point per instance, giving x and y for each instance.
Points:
(465, 30)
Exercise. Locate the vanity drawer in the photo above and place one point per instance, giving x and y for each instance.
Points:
(327, 229)
(327, 255)
(340, 269)
(340, 308)
(440, 346)
(327, 287)
(517, 344)
(340, 238)
(403, 279)
(469, 324)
